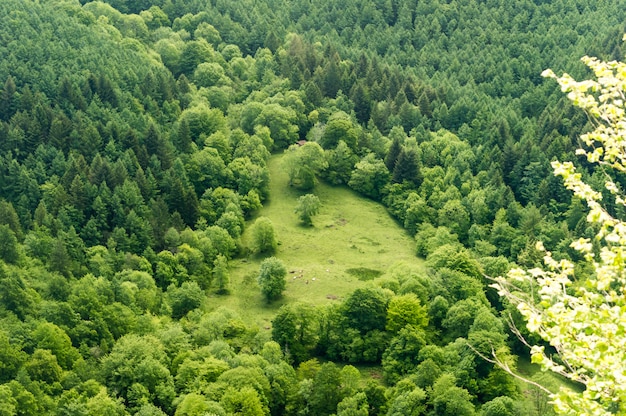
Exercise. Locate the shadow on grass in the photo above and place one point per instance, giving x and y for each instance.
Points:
(363, 273)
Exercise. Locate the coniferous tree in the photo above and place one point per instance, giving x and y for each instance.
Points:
(332, 78)
(9, 247)
(362, 103)
(184, 137)
(8, 102)
(392, 154)
(407, 168)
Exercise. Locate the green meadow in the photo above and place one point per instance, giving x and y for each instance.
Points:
(353, 240)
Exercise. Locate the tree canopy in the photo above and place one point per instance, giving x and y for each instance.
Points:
(134, 177)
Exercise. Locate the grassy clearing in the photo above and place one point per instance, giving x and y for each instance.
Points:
(352, 240)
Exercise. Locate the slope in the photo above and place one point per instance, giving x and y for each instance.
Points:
(352, 240)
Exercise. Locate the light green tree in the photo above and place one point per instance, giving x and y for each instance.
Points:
(208, 74)
(406, 310)
(353, 405)
(583, 316)
(263, 236)
(221, 274)
(193, 404)
(8, 403)
(303, 163)
(369, 177)
(308, 205)
(271, 278)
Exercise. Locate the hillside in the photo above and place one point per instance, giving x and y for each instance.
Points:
(141, 140)
(349, 233)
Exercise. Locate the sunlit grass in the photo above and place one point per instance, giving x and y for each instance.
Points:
(349, 234)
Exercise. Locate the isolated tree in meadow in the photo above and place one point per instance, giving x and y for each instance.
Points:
(221, 274)
(263, 236)
(308, 205)
(271, 278)
(582, 314)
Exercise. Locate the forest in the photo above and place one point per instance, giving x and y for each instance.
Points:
(140, 145)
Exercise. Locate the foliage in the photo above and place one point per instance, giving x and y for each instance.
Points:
(341, 162)
(271, 278)
(405, 310)
(296, 329)
(303, 163)
(263, 236)
(139, 362)
(308, 206)
(369, 177)
(135, 141)
(366, 309)
(579, 312)
(221, 275)
(185, 298)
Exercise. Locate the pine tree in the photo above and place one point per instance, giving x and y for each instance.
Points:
(8, 104)
(362, 102)
(407, 168)
(392, 155)
(332, 78)
(184, 137)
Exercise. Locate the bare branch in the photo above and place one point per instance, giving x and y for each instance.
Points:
(504, 366)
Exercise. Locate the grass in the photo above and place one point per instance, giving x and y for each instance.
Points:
(352, 240)
(531, 395)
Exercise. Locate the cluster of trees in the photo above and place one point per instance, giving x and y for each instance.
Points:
(134, 137)
(117, 344)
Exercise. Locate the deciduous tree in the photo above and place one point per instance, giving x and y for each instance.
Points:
(369, 177)
(271, 278)
(308, 206)
(263, 236)
(296, 329)
(221, 275)
(303, 163)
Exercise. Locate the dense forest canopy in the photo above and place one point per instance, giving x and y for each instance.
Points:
(134, 146)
